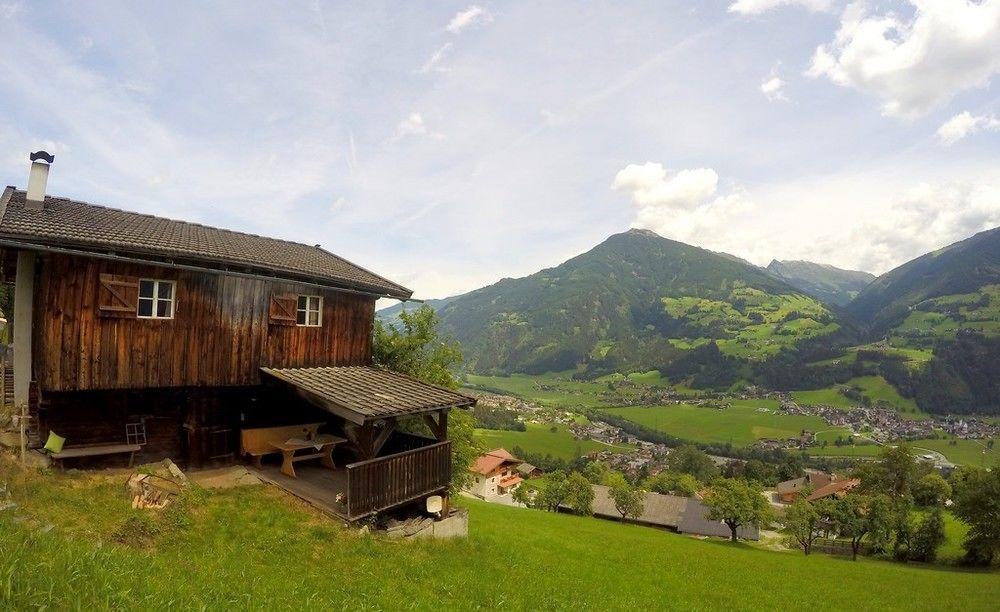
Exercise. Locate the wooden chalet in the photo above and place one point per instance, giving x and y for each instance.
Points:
(171, 339)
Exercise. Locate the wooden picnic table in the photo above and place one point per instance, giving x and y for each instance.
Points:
(322, 444)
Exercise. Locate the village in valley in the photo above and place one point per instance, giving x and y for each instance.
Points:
(500, 306)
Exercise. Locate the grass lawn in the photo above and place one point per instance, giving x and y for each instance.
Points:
(741, 424)
(965, 452)
(875, 388)
(540, 439)
(254, 548)
(558, 390)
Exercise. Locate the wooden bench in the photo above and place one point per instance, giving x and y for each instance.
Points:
(260, 441)
(96, 450)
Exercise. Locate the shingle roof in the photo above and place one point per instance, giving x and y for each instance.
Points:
(68, 223)
(362, 393)
(657, 509)
(487, 462)
(694, 520)
(834, 488)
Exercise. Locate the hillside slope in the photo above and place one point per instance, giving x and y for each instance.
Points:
(934, 324)
(825, 282)
(631, 301)
(961, 268)
(238, 541)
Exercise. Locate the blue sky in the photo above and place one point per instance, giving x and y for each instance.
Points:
(448, 145)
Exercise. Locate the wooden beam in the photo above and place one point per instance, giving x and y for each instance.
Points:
(439, 426)
(389, 426)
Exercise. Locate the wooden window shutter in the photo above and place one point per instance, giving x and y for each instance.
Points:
(118, 296)
(282, 309)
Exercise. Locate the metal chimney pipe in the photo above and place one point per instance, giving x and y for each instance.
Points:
(38, 177)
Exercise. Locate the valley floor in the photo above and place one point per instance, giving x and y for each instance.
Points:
(254, 548)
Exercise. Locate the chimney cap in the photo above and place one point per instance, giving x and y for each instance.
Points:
(43, 156)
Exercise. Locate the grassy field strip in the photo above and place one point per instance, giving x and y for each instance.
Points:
(240, 542)
(540, 439)
(741, 424)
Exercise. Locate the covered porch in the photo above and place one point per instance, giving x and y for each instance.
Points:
(380, 464)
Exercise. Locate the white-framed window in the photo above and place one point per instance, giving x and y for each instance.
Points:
(156, 299)
(310, 311)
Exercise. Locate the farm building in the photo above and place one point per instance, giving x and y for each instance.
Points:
(672, 512)
(494, 473)
(788, 490)
(136, 335)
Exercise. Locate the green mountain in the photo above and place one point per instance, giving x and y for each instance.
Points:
(825, 282)
(637, 300)
(390, 314)
(953, 282)
(934, 327)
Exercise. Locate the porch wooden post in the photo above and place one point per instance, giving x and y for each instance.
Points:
(438, 427)
(388, 426)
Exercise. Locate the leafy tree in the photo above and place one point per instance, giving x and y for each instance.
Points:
(855, 516)
(977, 502)
(629, 500)
(737, 503)
(928, 537)
(687, 459)
(579, 494)
(595, 472)
(672, 483)
(525, 494)
(416, 349)
(931, 490)
(551, 491)
(803, 521)
(898, 468)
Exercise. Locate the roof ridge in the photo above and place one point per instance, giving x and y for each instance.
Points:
(191, 223)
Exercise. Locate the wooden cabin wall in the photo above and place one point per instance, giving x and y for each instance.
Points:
(219, 335)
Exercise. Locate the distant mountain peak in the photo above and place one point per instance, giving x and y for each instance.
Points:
(828, 283)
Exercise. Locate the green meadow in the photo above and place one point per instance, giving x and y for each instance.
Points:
(875, 388)
(255, 548)
(741, 424)
(963, 452)
(539, 438)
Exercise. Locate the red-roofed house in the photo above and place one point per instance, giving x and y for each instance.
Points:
(494, 473)
(837, 489)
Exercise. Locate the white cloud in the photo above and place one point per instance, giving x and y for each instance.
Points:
(471, 15)
(650, 186)
(757, 7)
(684, 205)
(773, 87)
(413, 125)
(915, 65)
(435, 59)
(965, 124)
(928, 217)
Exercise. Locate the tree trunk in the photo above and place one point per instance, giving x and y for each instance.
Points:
(732, 529)
(855, 545)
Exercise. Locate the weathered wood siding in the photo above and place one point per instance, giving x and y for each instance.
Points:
(219, 335)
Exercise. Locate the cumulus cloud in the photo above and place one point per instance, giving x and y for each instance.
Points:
(685, 205)
(917, 64)
(463, 19)
(757, 7)
(928, 217)
(773, 86)
(434, 61)
(412, 125)
(965, 124)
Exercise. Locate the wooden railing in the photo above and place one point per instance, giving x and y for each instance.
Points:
(385, 482)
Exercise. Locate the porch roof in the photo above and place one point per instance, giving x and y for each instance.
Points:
(363, 393)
